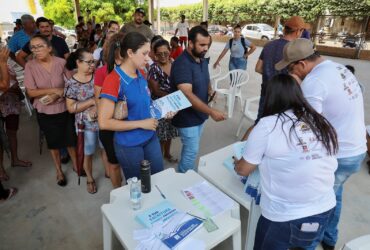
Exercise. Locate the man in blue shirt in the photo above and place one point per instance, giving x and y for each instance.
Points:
(20, 38)
(271, 54)
(190, 74)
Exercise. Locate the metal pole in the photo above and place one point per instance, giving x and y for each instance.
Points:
(362, 37)
(205, 10)
(77, 9)
(151, 11)
(158, 18)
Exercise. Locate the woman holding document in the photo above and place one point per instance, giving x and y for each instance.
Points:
(135, 138)
(294, 148)
(159, 84)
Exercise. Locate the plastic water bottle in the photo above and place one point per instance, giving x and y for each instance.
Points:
(135, 194)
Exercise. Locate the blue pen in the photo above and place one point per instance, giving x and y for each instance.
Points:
(164, 197)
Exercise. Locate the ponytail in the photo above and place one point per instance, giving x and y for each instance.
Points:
(71, 63)
(112, 50)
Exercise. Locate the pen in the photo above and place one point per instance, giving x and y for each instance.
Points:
(164, 197)
(195, 216)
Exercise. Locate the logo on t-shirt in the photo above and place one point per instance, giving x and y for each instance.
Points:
(350, 84)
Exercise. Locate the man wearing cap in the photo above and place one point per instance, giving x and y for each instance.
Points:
(23, 36)
(60, 47)
(334, 92)
(138, 25)
(18, 25)
(273, 52)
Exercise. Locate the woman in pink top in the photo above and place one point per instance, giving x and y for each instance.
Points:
(44, 81)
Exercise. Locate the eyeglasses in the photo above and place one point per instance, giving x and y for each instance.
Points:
(91, 62)
(37, 47)
(162, 54)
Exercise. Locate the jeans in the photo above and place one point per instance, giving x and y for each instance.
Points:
(129, 158)
(190, 138)
(288, 234)
(237, 63)
(91, 139)
(346, 167)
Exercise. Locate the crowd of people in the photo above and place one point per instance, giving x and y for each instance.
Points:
(105, 88)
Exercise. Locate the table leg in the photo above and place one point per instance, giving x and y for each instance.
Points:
(107, 234)
(237, 240)
(254, 215)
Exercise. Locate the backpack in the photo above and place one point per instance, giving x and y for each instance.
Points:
(243, 43)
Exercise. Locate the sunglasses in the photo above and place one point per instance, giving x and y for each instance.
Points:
(162, 54)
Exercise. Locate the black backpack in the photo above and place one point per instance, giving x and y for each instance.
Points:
(243, 43)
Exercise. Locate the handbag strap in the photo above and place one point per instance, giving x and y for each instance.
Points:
(122, 83)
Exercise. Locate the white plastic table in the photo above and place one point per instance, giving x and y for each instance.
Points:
(212, 169)
(119, 217)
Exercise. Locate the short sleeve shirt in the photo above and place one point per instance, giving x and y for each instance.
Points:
(298, 164)
(271, 54)
(175, 53)
(237, 49)
(37, 77)
(78, 91)
(157, 74)
(100, 75)
(183, 28)
(186, 70)
(18, 40)
(60, 47)
(119, 86)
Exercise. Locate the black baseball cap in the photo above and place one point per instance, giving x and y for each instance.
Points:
(18, 21)
(140, 10)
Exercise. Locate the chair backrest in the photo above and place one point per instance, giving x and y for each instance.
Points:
(214, 73)
(238, 77)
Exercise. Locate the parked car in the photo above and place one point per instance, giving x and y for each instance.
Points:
(217, 30)
(259, 31)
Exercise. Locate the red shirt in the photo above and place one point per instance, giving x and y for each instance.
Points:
(175, 53)
(100, 74)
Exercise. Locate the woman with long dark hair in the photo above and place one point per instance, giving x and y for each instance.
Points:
(294, 148)
(135, 138)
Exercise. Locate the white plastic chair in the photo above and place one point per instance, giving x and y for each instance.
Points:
(238, 78)
(213, 74)
(248, 113)
(360, 243)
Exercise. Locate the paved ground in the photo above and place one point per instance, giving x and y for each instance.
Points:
(46, 216)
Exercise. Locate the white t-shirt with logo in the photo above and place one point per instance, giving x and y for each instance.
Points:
(182, 28)
(297, 174)
(335, 93)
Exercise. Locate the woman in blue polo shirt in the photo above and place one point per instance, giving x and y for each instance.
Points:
(239, 52)
(135, 138)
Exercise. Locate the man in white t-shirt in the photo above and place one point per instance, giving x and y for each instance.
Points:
(183, 30)
(335, 93)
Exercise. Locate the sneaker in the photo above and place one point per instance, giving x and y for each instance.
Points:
(326, 246)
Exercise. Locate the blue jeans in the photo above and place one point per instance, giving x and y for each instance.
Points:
(237, 63)
(129, 158)
(346, 167)
(288, 234)
(190, 138)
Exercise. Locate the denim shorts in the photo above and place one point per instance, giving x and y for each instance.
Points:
(91, 140)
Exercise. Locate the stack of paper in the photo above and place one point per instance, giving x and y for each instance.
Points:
(173, 102)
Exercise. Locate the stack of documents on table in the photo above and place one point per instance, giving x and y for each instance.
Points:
(173, 102)
(166, 223)
(208, 199)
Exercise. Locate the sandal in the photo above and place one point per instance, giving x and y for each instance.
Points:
(91, 187)
(22, 164)
(170, 159)
(3, 175)
(83, 173)
(61, 180)
(12, 193)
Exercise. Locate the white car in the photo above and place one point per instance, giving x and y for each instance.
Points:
(259, 31)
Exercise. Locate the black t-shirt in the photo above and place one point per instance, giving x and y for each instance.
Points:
(60, 47)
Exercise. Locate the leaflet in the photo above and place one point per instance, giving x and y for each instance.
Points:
(173, 102)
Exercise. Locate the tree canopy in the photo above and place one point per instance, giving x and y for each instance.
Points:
(220, 11)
